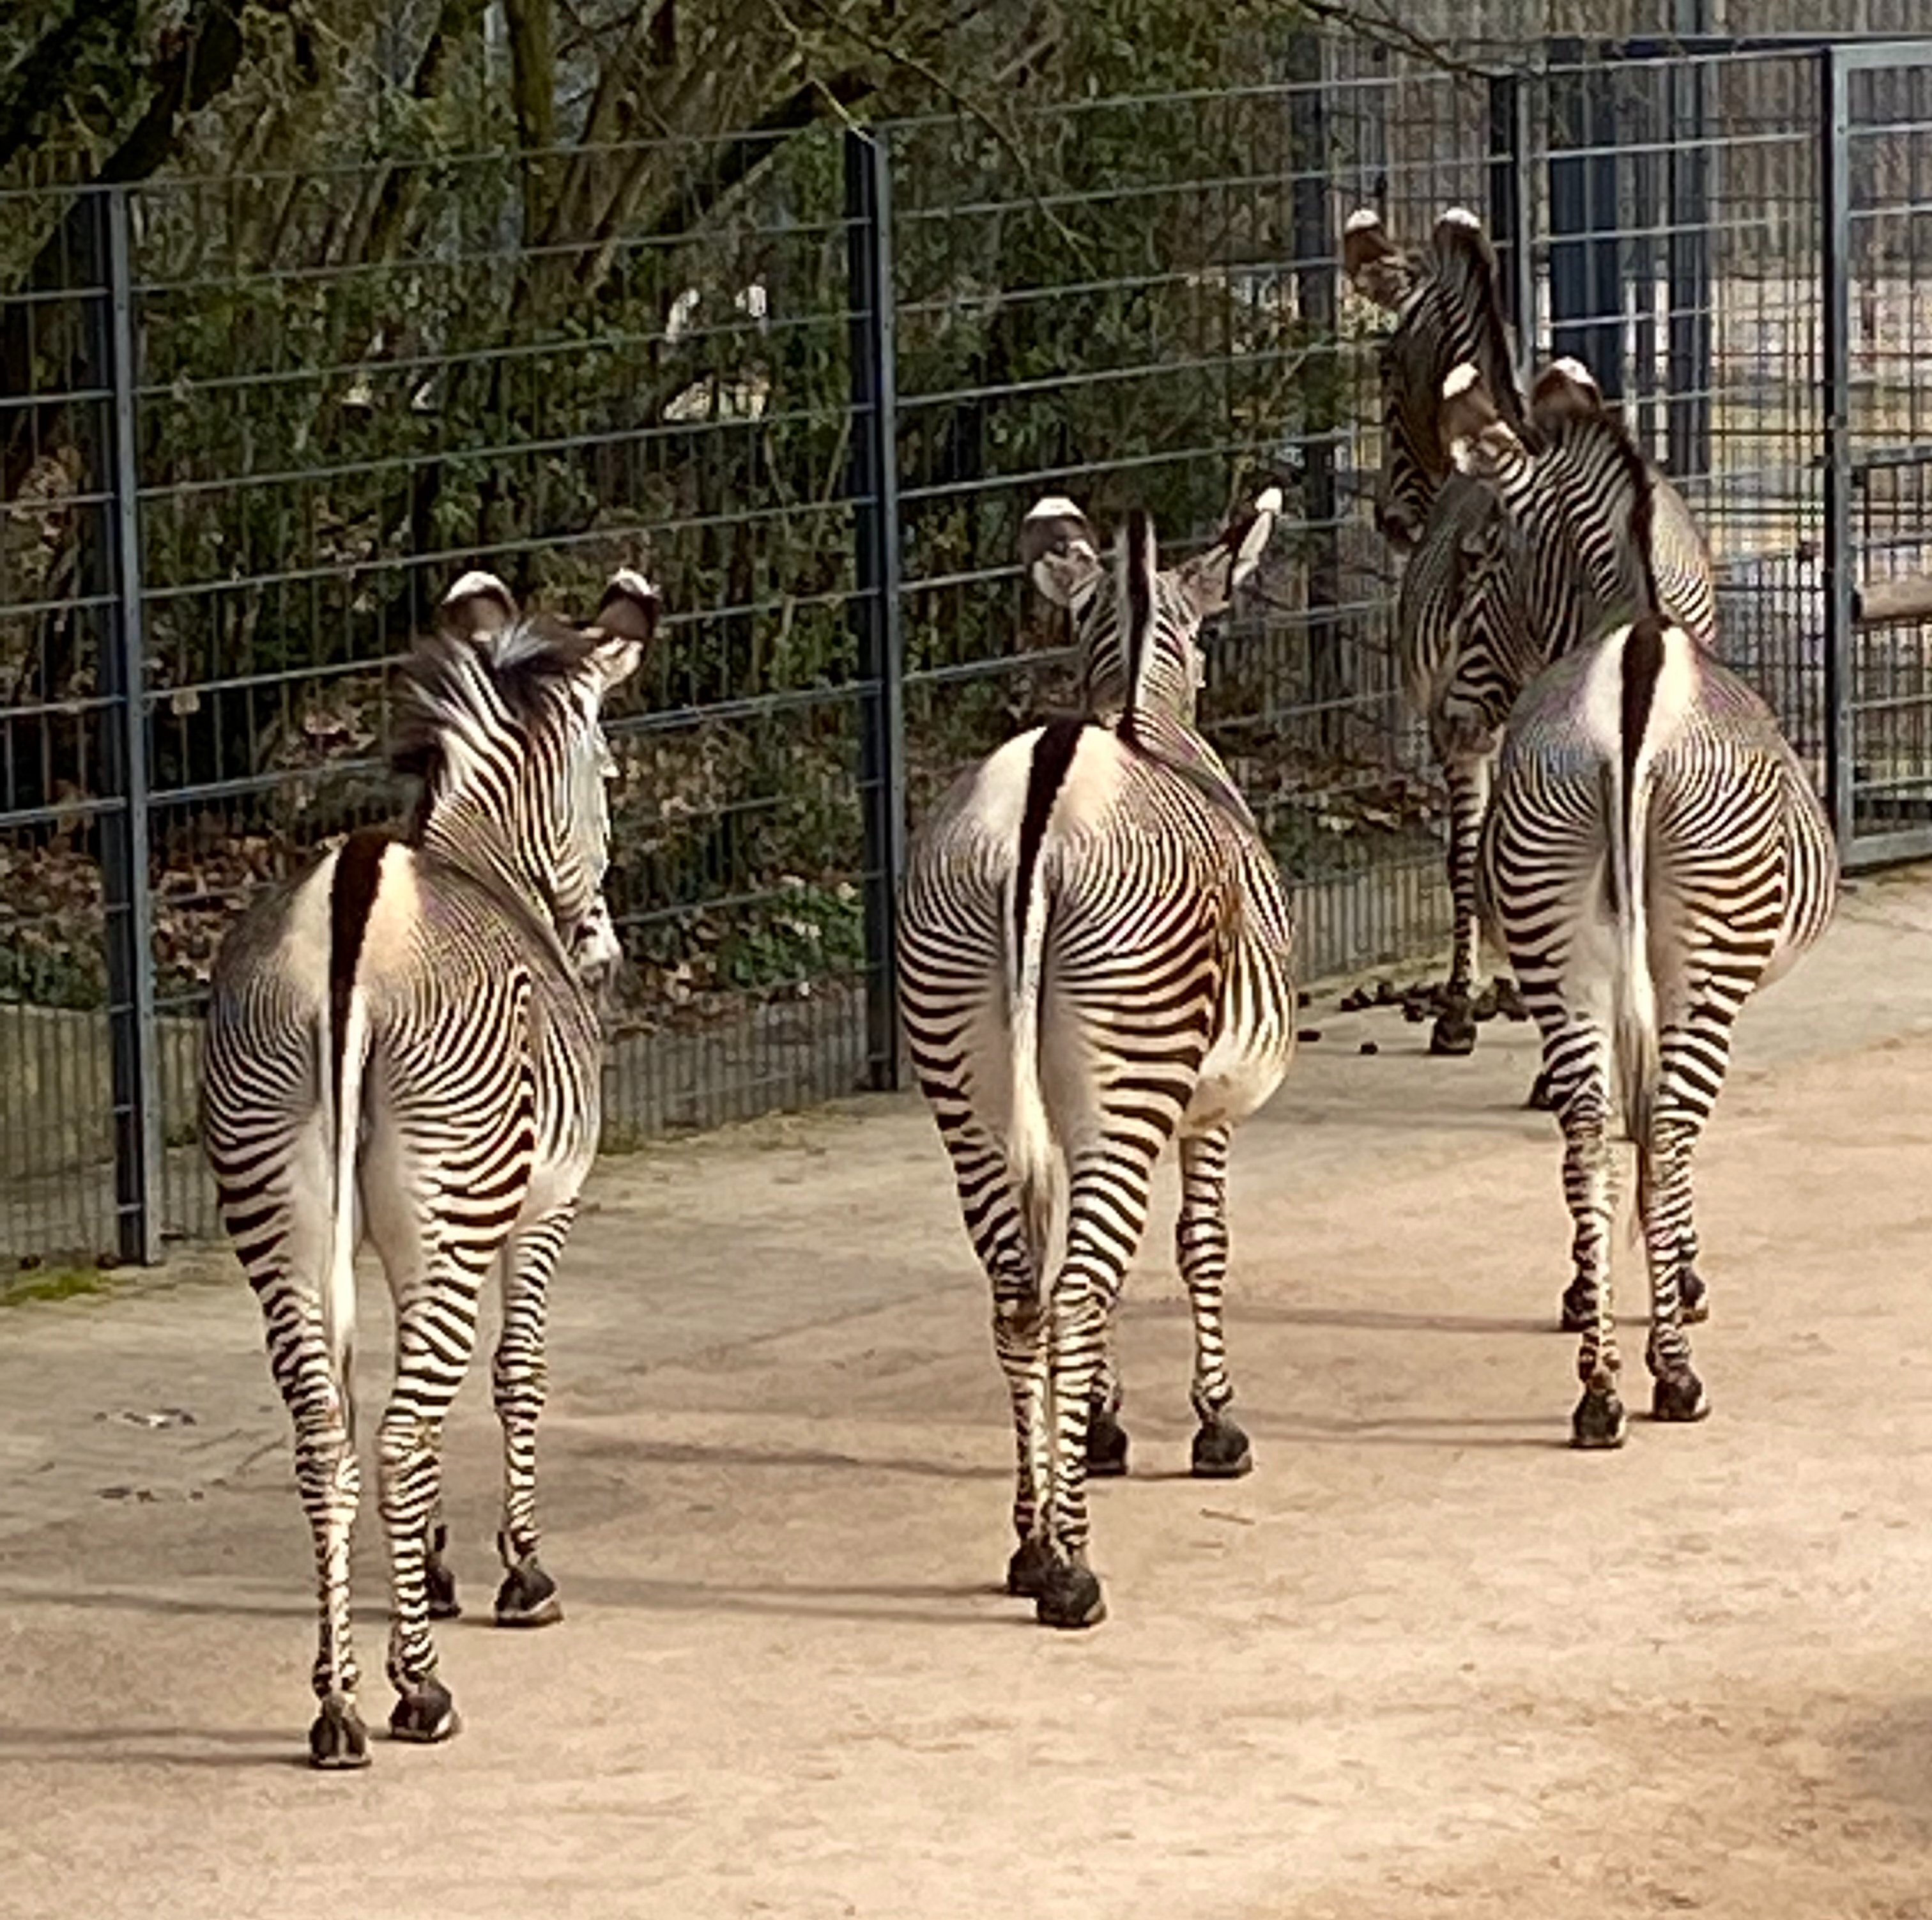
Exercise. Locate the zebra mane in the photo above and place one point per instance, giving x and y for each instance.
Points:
(1136, 561)
(1600, 423)
(481, 683)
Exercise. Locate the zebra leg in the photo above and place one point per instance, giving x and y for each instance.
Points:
(330, 1484)
(1454, 1032)
(436, 1333)
(1676, 1393)
(1106, 1437)
(1221, 1449)
(991, 1210)
(1107, 1209)
(1590, 1188)
(528, 1596)
(439, 1582)
(271, 1184)
(1693, 1296)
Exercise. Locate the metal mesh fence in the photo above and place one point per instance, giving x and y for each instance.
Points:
(810, 382)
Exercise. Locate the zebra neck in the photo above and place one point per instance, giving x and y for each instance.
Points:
(461, 837)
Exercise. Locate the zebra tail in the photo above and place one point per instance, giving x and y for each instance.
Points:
(338, 1288)
(1030, 1151)
(1637, 1044)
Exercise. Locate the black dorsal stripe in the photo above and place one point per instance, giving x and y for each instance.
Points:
(358, 869)
(1052, 755)
(1139, 617)
(1643, 661)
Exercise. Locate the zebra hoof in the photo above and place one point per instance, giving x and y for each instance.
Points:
(1510, 1002)
(1454, 1033)
(1598, 1423)
(1541, 1100)
(1106, 1444)
(1069, 1597)
(1678, 1398)
(1693, 1296)
(1578, 1313)
(528, 1596)
(424, 1715)
(1027, 1570)
(441, 1582)
(1221, 1450)
(338, 1740)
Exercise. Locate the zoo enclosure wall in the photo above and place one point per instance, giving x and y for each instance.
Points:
(253, 426)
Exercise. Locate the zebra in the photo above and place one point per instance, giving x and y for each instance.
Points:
(407, 1038)
(1463, 662)
(1095, 947)
(1652, 854)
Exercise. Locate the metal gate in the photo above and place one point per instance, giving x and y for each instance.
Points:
(1877, 154)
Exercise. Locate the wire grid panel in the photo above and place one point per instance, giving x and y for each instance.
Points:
(58, 1096)
(1078, 315)
(1675, 219)
(1888, 265)
(335, 425)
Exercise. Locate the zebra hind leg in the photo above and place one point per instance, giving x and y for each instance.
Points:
(991, 1211)
(435, 1334)
(1677, 1394)
(1221, 1448)
(1106, 1437)
(1589, 1186)
(1454, 1033)
(528, 1596)
(438, 1580)
(329, 1483)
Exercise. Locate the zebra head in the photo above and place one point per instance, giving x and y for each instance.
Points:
(507, 737)
(1448, 309)
(1137, 625)
(1576, 485)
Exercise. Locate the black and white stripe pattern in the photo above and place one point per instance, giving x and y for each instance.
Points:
(1448, 311)
(406, 1041)
(1095, 950)
(1653, 853)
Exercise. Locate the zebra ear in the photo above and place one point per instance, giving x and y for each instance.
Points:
(1476, 437)
(628, 614)
(1058, 550)
(1375, 269)
(1565, 390)
(1209, 579)
(478, 607)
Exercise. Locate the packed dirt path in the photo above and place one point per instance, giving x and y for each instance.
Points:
(1425, 1661)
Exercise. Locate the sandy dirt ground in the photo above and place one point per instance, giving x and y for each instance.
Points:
(1425, 1661)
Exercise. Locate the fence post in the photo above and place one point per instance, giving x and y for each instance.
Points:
(1834, 264)
(1316, 256)
(873, 492)
(129, 925)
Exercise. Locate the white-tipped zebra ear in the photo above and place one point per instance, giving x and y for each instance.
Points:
(1209, 579)
(1565, 390)
(1058, 550)
(1467, 409)
(1375, 268)
(479, 607)
(629, 613)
